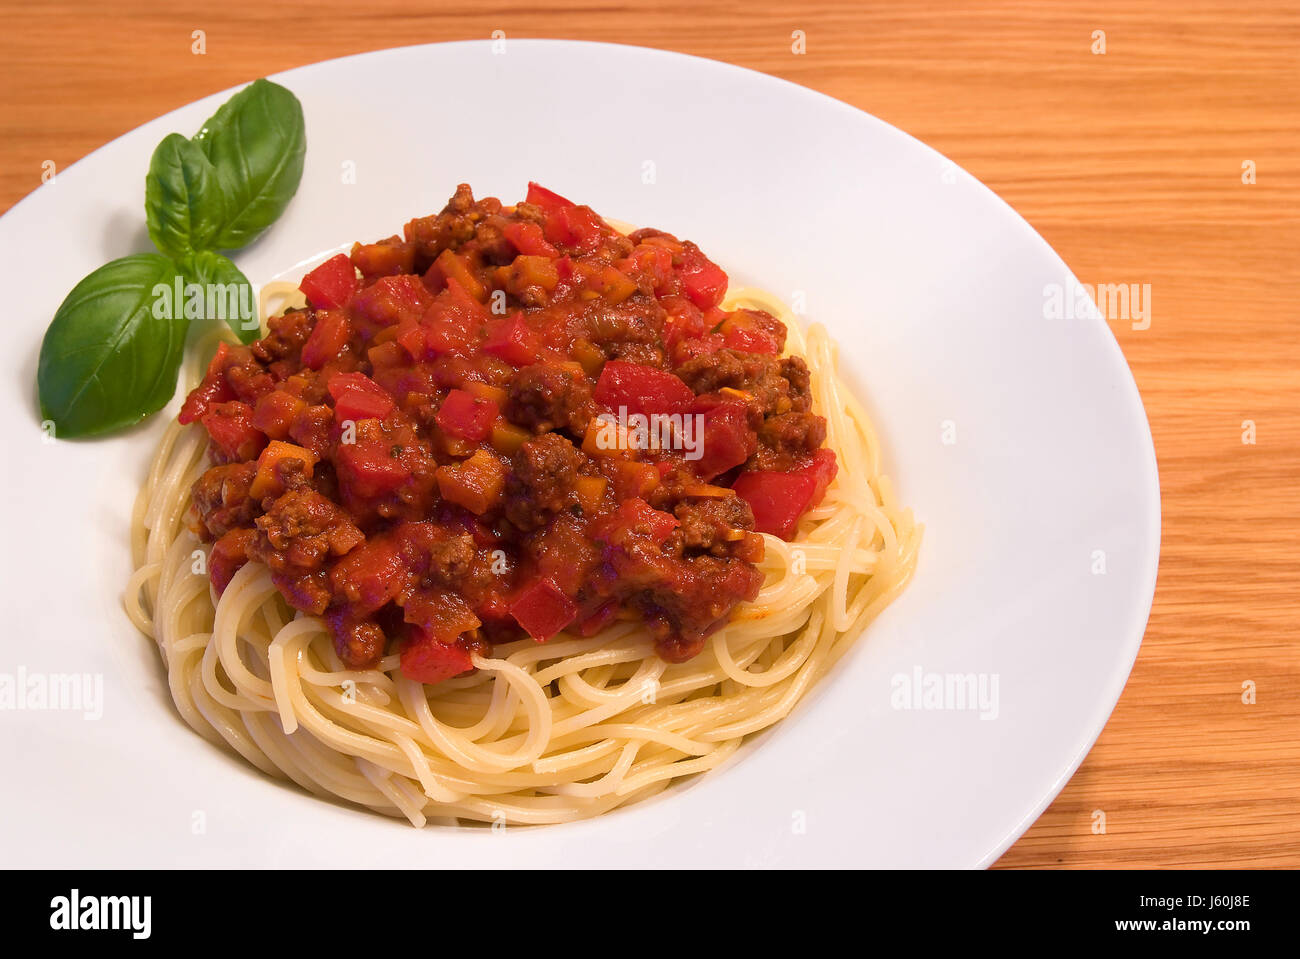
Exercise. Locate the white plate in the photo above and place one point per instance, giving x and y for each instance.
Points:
(933, 286)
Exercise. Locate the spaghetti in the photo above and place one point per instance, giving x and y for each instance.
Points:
(539, 732)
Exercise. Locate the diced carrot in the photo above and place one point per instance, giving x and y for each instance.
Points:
(591, 490)
(475, 483)
(606, 438)
(451, 266)
(389, 333)
(266, 482)
(614, 285)
(634, 480)
(486, 392)
(507, 437)
(386, 354)
(589, 356)
(528, 271)
(275, 412)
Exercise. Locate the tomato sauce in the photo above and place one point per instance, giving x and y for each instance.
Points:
(423, 455)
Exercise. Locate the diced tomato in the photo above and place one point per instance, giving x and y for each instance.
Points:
(412, 338)
(213, 389)
(548, 200)
(328, 337)
(639, 516)
(642, 389)
(726, 440)
(513, 340)
(388, 301)
(750, 331)
(358, 397)
(655, 262)
(340, 383)
(749, 340)
(777, 499)
(357, 405)
(454, 323)
(331, 284)
(702, 279)
(566, 223)
(574, 226)
(428, 660)
(371, 470)
(527, 239)
(446, 337)
(466, 416)
(230, 425)
(822, 469)
(441, 614)
(542, 610)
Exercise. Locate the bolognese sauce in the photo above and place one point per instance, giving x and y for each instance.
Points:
(421, 458)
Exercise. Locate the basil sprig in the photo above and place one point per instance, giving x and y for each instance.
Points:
(256, 142)
(184, 203)
(111, 353)
(107, 361)
(234, 302)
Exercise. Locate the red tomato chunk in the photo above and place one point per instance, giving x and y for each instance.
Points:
(331, 284)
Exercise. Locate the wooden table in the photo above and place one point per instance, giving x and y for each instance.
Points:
(1129, 162)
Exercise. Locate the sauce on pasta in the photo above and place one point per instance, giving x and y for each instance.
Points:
(509, 421)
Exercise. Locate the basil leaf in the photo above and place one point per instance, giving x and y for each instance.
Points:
(215, 289)
(111, 354)
(183, 200)
(256, 141)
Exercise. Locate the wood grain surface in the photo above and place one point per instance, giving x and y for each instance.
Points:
(1129, 162)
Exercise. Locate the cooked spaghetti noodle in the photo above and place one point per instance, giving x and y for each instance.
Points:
(539, 732)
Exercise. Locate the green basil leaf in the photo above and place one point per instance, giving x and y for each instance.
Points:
(112, 352)
(256, 141)
(183, 199)
(215, 289)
